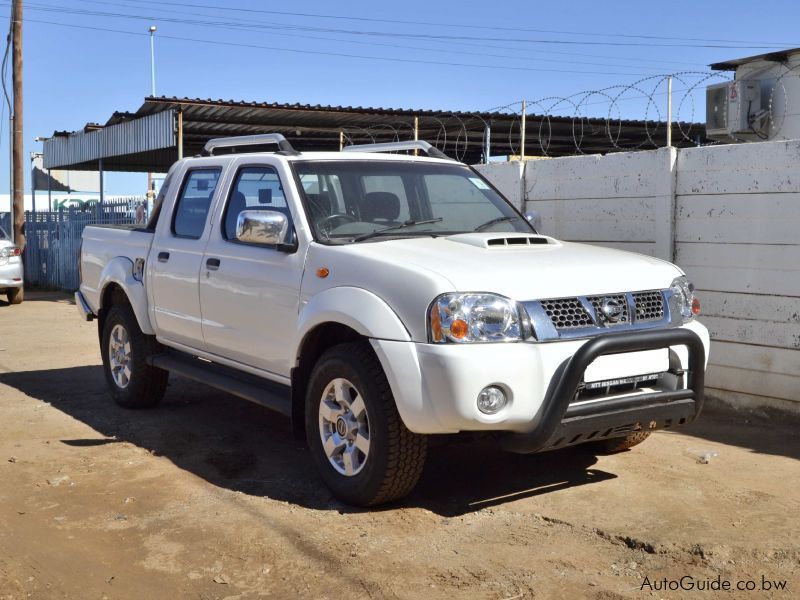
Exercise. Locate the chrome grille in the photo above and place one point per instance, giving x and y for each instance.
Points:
(649, 306)
(597, 302)
(567, 313)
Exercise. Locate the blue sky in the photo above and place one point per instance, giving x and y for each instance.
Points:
(77, 72)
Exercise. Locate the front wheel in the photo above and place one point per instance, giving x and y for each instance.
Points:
(124, 348)
(15, 295)
(614, 445)
(361, 447)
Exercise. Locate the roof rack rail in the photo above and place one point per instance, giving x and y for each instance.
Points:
(394, 146)
(260, 139)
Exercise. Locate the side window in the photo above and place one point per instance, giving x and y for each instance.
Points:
(191, 209)
(255, 188)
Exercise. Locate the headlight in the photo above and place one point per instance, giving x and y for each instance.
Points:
(464, 318)
(684, 302)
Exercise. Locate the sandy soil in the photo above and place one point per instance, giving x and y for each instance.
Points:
(208, 496)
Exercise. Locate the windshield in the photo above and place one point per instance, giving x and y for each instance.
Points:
(351, 201)
(3, 234)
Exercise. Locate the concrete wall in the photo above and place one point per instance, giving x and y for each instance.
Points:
(738, 237)
(729, 215)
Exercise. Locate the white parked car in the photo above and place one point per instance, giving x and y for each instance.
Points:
(11, 277)
(379, 298)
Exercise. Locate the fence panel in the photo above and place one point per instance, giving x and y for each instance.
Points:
(53, 239)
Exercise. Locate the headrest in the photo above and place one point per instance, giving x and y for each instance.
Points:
(265, 196)
(380, 205)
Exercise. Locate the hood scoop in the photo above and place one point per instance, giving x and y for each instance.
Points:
(491, 241)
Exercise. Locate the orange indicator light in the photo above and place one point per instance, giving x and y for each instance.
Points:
(323, 272)
(695, 306)
(436, 324)
(459, 329)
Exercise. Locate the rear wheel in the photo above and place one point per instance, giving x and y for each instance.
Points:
(612, 445)
(361, 447)
(15, 295)
(124, 348)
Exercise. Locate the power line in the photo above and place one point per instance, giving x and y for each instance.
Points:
(401, 35)
(472, 44)
(360, 42)
(334, 54)
(450, 43)
(453, 25)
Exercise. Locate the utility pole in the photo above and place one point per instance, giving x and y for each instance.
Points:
(150, 196)
(18, 168)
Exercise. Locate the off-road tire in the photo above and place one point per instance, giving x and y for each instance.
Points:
(15, 295)
(613, 445)
(147, 384)
(396, 455)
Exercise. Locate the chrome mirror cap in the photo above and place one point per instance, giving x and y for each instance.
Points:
(535, 219)
(263, 227)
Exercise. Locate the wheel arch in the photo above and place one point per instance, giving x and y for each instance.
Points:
(117, 285)
(332, 317)
(319, 339)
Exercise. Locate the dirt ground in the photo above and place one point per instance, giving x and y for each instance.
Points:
(208, 496)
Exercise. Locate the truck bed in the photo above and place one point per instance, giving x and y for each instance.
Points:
(103, 243)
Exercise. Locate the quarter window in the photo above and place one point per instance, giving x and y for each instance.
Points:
(191, 210)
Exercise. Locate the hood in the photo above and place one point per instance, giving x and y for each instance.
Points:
(525, 267)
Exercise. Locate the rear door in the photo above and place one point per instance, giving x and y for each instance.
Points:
(177, 253)
(250, 294)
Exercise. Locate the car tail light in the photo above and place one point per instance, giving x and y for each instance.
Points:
(10, 251)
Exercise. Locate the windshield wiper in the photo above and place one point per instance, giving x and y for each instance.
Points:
(409, 223)
(495, 222)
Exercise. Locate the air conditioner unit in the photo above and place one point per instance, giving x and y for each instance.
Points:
(732, 108)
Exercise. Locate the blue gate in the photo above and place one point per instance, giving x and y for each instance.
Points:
(53, 240)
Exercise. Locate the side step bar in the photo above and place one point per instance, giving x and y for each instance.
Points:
(261, 391)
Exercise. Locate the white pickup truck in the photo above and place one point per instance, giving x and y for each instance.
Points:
(378, 298)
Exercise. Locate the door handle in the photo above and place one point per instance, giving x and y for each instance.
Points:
(163, 256)
(212, 264)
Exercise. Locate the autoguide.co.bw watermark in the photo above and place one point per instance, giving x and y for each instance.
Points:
(689, 583)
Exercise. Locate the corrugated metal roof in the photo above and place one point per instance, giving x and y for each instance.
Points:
(731, 65)
(145, 134)
(460, 134)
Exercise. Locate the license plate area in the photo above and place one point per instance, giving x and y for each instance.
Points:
(626, 365)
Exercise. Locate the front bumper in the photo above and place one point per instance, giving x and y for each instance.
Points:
(563, 423)
(436, 386)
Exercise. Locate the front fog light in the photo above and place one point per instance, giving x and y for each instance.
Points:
(491, 400)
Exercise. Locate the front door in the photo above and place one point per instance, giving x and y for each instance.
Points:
(176, 256)
(249, 294)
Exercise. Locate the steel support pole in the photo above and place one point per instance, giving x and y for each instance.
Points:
(152, 64)
(102, 191)
(487, 140)
(669, 111)
(522, 133)
(180, 134)
(416, 133)
(33, 186)
(341, 140)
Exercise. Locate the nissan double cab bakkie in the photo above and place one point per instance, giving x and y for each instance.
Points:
(377, 298)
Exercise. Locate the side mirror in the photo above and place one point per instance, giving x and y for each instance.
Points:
(263, 227)
(535, 219)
